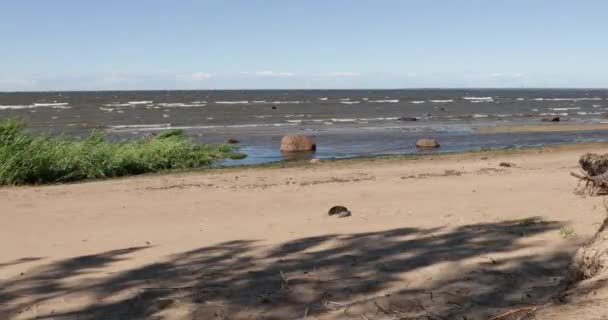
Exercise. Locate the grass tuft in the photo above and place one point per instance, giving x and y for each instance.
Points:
(29, 159)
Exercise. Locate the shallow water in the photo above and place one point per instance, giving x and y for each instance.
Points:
(346, 123)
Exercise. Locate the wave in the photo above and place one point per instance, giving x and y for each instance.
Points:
(568, 99)
(441, 101)
(181, 105)
(520, 99)
(61, 105)
(117, 104)
(164, 126)
(385, 101)
(232, 102)
(287, 102)
(106, 109)
(478, 98)
(350, 102)
(480, 115)
(565, 109)
(323, 98)
(597, 105)
(418, 101)
(134, 103)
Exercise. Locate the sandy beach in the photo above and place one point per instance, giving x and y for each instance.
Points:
(448, 235)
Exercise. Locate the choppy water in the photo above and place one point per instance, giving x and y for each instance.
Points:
(346, 123)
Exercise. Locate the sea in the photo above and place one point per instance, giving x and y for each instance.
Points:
(345, 123)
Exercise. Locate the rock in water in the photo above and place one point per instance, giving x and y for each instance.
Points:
(295, 143)
(407, 119)
(427, 143)
(340, 211)
(232, 141)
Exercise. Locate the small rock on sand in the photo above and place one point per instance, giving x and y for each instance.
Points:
(339, 211)
(315, 160)
(507, 164)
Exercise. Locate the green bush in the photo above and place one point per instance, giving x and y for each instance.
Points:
(29, 159)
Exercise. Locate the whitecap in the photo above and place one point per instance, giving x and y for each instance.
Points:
(568, 99)
(232, 102)
(418, 101)
(565, 109)
(323, 98)
(140, 102)
(442, 101)
(350, 102)
(520, 99)
(117, 104)
(106, 109)
(385, 101)
(479, 98)
(344, 120)
(57, 104)
(477, 115)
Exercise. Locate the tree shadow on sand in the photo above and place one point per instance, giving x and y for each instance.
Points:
(353, 276)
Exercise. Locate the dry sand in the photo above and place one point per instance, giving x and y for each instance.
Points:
(440, 237)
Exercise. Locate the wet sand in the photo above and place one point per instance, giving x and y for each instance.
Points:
(445, 235)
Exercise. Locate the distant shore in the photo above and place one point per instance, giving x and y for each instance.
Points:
(556, 127)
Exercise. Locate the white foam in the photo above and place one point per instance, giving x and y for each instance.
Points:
(564, 109)
(323, 99)
(520, 99)
(344, 99)
(442, 101)
(504, 115)
(134, 103)
(385, 101)
(294, 121)
(350, 102)
(287, 102)
(480, 116)
(106, 109)
(568, 99)
(232, 102)
(479, 98)
(117, 104)
(59, 104)
(181, 105)
(62, 105)
(535, 110)
(582, 113)
(344, 120)
(597, 105)
(418, 101)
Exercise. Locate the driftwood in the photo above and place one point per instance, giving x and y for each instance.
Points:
(594, 179)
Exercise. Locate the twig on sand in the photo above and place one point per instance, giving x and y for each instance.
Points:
(527, 309)
(305, 313)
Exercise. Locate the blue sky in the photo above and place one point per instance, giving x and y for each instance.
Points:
(234, 44)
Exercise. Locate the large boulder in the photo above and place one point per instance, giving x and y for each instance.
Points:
(296, 143)
(427, 143)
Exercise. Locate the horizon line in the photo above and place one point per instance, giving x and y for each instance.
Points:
(313, 89)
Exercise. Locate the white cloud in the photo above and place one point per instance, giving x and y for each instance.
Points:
(268, 73)
(196, 76)
(338, 74)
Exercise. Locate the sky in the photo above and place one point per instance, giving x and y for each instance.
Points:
(301, 44)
